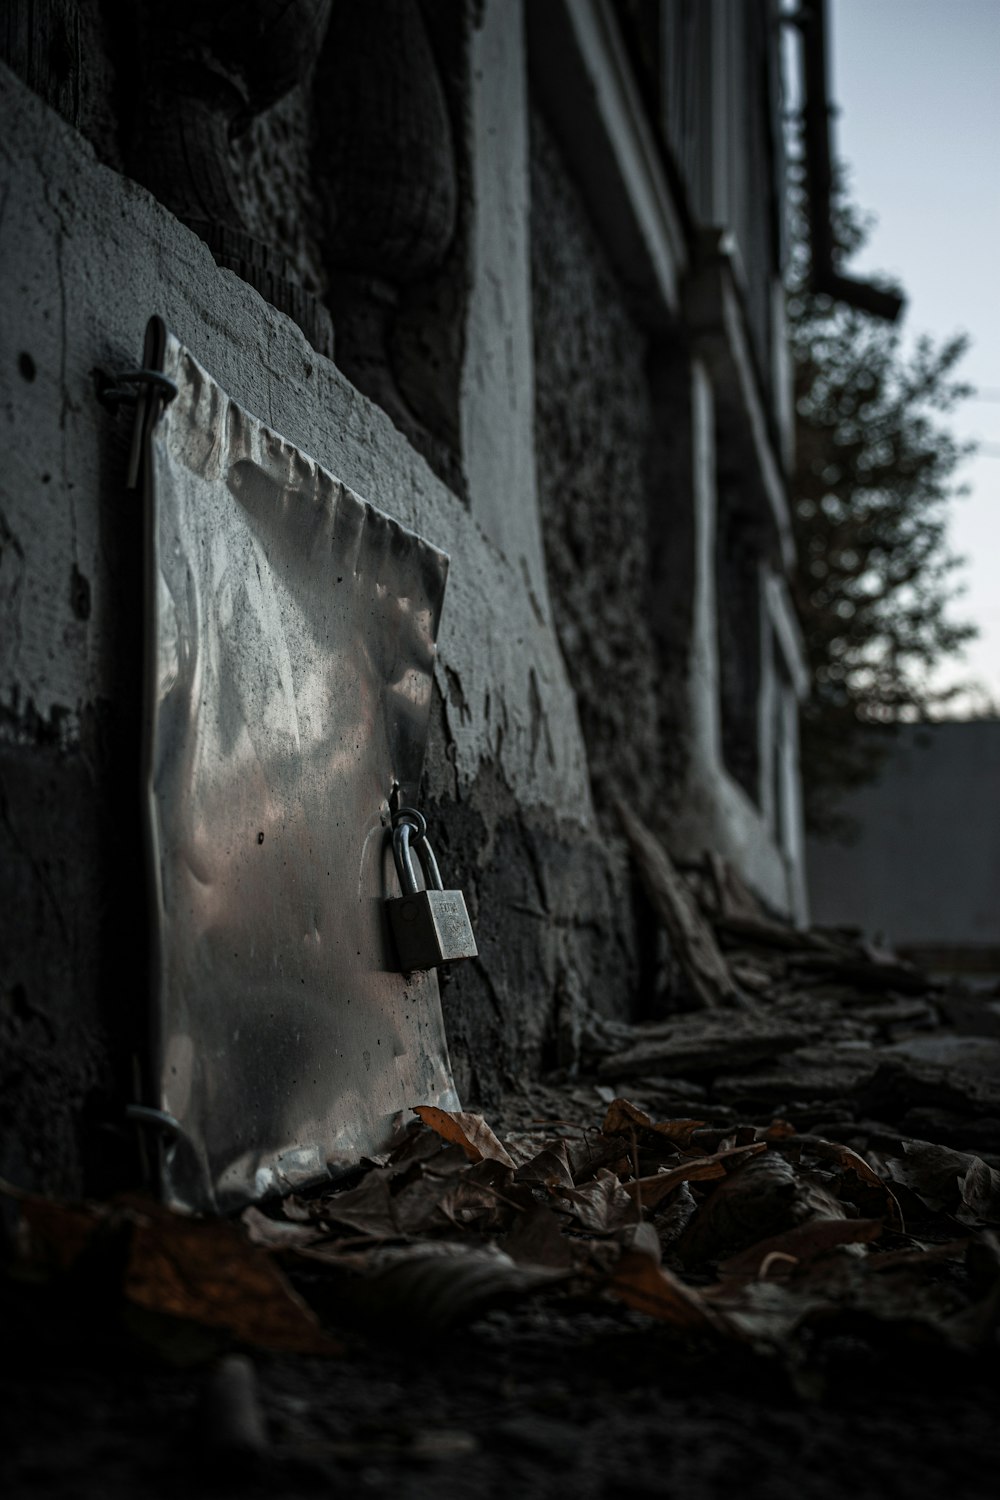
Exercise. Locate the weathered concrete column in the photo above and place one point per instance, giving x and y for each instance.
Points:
(497, 392)
(711, 809)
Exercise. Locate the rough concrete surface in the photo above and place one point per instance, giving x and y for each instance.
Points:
(592, 424)
(86, 257)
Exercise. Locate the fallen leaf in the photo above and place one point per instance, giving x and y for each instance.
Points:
(642, 1237)
(980, 1192)
(471, 1132)
(766, 1195)
(850, 1161)
(672, 1220)
(276, 1234)
(765, 1313)
(551, 1164)
(52, 1236)
(417, 1207)
(431, 1287)
(296, 1209)
(802, 1245)
(601, 1205)
(623, 1117)
(537, 1239)
(651, 1190)
(949, 1181)
(369, 1208)
(206, 1272)
(483, 1195)
(522, 1146)
(640, 1283)
(594, 1151)
(924, 1255)
(197, 1271)
(932, 1172)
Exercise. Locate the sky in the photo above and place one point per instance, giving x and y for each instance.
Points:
(917, 83)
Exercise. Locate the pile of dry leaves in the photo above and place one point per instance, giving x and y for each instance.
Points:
(751, 1233)
(804, 1150)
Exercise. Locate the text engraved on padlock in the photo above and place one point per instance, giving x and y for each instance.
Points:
(431, 928)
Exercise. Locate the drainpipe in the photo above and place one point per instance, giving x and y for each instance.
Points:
(811, 22)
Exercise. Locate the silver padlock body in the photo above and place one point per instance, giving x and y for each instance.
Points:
(431, 928)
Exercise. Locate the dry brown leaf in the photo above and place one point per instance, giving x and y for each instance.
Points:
(623, 1117)
(484, 1195)
(369, 1208)
(919, 1255)
(673, 1219)
(932, 1172)
(537, 1239)
(522, 1146)
(980, 1191)
(946, 1180)
(601, 1205)
(203, 1272)
(850, 1161)
(297, 1210)
(52, 1236)
(471, 1132)
(652, 1190)
(206, 1272)
(766, 1195)
(433, 1286)
(593, 1151)
(799, 1246)
(764, 1312)
(418, 1208)
(276, 1234)
(641, 1283)
(551, 1164)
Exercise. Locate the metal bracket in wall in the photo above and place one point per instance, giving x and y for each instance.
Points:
(291, 631)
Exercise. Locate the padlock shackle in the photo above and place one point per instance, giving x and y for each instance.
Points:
(403, 847)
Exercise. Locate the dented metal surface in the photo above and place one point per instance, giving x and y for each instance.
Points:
(292, 631)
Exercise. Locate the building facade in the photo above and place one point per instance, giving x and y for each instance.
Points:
(512, 272)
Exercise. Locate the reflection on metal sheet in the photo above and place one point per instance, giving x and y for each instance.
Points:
(292, 636)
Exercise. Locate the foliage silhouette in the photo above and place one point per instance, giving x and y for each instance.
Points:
(873, 480)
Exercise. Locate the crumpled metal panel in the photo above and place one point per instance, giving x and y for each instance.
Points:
(292, 631)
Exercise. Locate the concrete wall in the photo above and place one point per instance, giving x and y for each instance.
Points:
(592, 432)
(924, 867)
(551, 396)
(86, 257)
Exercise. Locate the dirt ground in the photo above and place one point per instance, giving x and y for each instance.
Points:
(532, 1403)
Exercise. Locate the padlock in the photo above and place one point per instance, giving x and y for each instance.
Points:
(431, 926)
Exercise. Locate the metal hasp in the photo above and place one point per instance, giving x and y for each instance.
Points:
(431, 927)
(291, 633)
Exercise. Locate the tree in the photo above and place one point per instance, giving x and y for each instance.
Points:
(873, 481)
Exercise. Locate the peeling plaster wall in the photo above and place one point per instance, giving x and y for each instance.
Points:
(86, 256)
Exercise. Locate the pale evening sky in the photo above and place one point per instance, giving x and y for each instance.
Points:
(918, 86)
